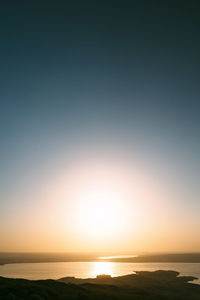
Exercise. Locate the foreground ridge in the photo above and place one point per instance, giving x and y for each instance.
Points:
(156, 285)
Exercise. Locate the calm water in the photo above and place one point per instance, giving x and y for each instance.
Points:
(91, 269)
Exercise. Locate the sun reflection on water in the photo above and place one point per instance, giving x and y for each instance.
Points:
(99, 268)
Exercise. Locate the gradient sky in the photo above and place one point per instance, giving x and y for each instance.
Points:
(101, 92)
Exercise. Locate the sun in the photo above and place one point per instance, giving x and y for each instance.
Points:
(99, 212)
(96, 207)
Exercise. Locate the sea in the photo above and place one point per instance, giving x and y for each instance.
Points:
(56, 270)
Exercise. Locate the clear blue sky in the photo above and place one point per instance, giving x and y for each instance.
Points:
(98, 79)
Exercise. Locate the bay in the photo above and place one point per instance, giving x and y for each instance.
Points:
(56, 270)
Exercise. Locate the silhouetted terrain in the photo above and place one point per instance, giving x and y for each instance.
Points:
(161, 258)
(135, 279)
(9, 258)
(159, 285)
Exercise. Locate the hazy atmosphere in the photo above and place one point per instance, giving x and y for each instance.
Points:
(99, 126)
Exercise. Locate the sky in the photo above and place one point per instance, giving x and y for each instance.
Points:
(99, 126)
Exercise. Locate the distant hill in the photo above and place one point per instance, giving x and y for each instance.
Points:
(12, 257)
(161, 258)
(159, 285)
(9, 258)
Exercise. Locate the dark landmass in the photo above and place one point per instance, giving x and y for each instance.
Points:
(158, 285)
(137, 278)
(10, 258)
(160, 258)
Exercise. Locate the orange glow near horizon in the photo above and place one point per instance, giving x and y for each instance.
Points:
(97, 207)
(104, 205)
